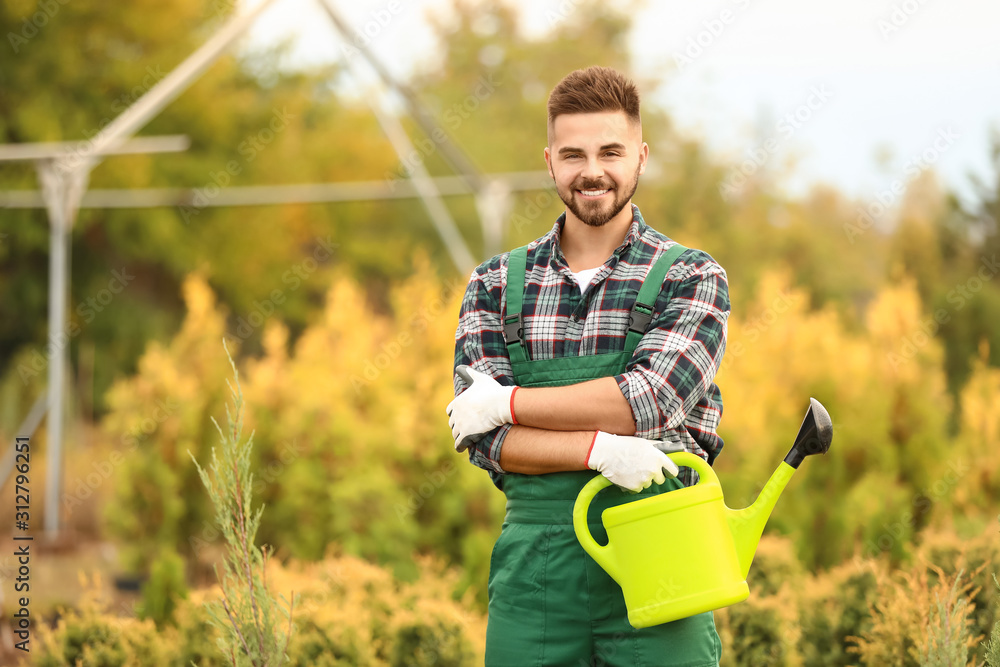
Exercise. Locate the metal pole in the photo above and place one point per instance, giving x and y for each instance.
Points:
(452, 154)
(42, 150)
(63, 181)
(269, 195)
(429, 195)
(58, 238)
(493, 203)
(62, 192)
(421, 179)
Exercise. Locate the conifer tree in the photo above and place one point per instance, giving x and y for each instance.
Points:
(247, 616)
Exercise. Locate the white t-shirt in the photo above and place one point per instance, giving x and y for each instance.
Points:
(584, 277)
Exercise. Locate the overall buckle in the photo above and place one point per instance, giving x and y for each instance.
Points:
(639, 318)
(513, 329)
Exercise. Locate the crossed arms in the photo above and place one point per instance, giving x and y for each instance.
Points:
(669, 378)
(556, 425)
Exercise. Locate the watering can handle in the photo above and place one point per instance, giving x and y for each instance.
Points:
(602, 554)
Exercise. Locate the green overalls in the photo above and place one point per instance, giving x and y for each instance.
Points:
(549, 602)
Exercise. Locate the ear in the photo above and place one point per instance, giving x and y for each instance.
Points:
(548, 161)
(643, 157)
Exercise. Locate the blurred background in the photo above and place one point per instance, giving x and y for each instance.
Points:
(842, 163)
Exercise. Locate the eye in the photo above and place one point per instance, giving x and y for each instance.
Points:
(613, 154)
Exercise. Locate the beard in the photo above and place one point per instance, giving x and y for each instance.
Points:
(598, 213)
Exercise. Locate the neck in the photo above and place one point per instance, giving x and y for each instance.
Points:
(586, 247)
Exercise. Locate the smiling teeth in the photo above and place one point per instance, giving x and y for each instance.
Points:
(593, 193)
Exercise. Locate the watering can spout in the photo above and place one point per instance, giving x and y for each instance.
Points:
(747, 525)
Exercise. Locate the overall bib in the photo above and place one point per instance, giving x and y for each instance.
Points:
(550, 603)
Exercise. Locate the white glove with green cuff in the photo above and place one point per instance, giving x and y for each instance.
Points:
(631, 463)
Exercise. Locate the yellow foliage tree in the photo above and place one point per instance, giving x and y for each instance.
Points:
(889, 421)
(354, 451)
(976, 445)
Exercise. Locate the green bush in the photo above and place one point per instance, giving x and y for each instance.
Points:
(431, 643)
(164, 589)
(196, 638)
(364, 458)
(350, 613)
(318, 646)
(90, 637)
(92, 641)
(991, 647)
(774, 565)
(979, 557)
(817, 645)
(833, 606)
(756, 635)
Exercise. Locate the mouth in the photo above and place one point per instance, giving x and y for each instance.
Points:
(593, 194)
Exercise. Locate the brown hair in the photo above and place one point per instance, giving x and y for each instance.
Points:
(594, 89)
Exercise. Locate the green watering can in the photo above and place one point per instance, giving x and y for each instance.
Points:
(684, 552)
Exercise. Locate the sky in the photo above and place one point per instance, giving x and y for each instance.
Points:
(860, 94)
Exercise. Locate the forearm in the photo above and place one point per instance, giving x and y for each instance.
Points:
(587, 406)
(536, 451)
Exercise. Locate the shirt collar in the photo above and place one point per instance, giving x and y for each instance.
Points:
(635, 231)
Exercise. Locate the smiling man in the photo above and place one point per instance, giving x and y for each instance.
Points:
(593, 348)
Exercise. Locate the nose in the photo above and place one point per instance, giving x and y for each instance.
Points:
(592, 170)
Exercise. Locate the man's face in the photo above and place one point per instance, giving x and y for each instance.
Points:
(595, 160)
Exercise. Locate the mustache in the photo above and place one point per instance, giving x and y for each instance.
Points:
(592, 185)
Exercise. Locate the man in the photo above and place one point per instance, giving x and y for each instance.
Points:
(594, 348)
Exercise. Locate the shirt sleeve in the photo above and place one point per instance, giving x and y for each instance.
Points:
(479, 343)
(674, 365)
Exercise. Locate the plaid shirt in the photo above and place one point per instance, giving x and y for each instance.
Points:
(669, 380)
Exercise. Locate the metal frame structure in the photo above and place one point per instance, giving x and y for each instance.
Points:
(64, 174)
(62, 190)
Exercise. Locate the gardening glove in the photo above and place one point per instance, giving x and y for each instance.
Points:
(483, 406)
(631, 463)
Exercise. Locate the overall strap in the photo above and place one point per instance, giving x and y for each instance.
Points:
(513, 323)
(642, 311)
(639, 318)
